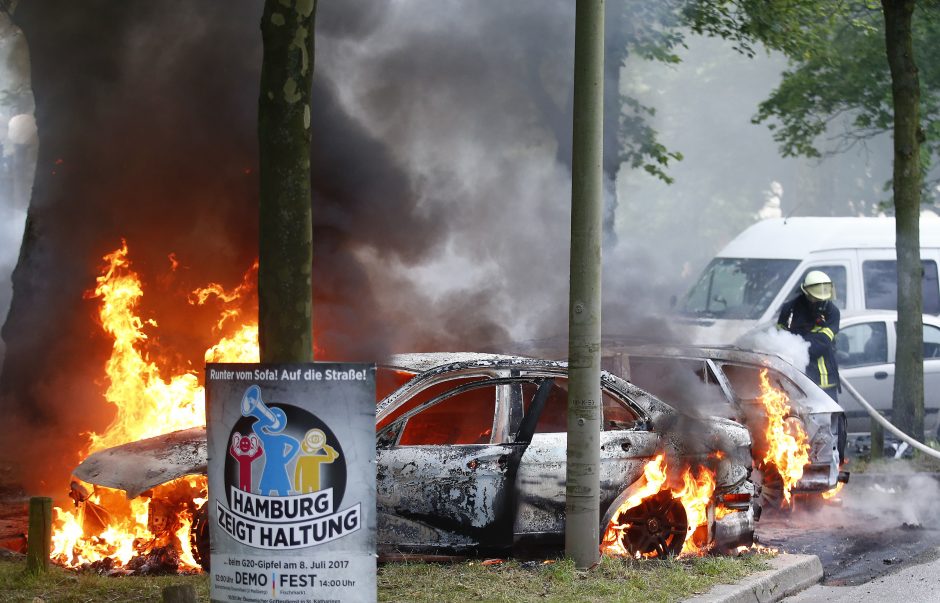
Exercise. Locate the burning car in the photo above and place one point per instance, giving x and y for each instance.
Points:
(799, 432)
(471, 455)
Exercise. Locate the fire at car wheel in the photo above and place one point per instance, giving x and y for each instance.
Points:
(657, 527)
(771, 493)
(199, 536)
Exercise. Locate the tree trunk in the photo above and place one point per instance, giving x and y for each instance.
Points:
(908, 408)
(285, 239)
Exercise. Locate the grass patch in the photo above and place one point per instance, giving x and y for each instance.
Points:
(513, 581)
(612, 580)
(60, 585)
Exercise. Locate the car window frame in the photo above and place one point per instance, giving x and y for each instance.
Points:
(889, 343)
(397, 427)
(641, 421)
(731, 392)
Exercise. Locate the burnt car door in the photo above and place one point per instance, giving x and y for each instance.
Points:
(444, 470)
(626, 445)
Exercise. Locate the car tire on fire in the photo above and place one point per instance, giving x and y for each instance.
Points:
(199, 536)
(654, 528)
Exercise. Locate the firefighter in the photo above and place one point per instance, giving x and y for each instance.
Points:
(813, 316)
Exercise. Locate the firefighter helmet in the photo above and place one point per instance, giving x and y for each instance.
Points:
(817, 286)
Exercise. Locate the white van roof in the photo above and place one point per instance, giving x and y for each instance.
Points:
(795, 238)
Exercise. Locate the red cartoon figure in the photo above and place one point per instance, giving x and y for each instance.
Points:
(245, 449)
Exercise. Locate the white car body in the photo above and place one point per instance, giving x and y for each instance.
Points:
(866, 346)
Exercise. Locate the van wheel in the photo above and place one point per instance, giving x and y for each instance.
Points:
(655, 528)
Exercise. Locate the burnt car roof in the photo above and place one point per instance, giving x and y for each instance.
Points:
(441, 363)
(425, 361)
(817, 400)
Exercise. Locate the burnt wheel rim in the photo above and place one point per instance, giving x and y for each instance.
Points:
(772, 489)
(655, 528)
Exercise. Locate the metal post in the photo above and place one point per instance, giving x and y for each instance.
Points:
(582, 514)
(40, 534)
(877, 440)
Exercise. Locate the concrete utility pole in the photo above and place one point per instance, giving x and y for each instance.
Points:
(582, 503)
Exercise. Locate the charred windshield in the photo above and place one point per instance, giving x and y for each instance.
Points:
(737, 287)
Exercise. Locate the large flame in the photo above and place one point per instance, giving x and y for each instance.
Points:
(787, 445)
(147, 403)
(694, 493)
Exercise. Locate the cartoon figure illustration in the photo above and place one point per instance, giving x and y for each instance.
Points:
(279, 449)
(307, 471)
(245, 449)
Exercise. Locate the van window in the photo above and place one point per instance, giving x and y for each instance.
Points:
(737, 287)
(836, 273)
(881, 285)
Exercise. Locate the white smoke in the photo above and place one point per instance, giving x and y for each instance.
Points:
(792, 348)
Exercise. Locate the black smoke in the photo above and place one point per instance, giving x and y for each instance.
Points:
(440, 169)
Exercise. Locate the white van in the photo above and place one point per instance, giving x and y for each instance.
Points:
(748, 281)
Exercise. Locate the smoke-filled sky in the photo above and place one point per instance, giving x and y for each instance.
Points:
(440, 173)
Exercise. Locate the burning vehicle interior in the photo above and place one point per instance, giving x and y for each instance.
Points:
(799, 432)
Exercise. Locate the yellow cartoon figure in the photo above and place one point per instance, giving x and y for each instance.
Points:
(307, 471)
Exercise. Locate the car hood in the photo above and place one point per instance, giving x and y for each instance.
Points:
(138, 466)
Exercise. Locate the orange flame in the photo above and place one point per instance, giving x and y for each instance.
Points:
(830, 494)
(231, 300)
(694, 493)
(786, 440)
(146, 404)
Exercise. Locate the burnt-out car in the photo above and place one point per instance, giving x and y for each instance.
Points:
(471, 459)
(471, 453)
(726, 381)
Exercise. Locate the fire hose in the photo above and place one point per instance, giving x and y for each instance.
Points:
(884, 422)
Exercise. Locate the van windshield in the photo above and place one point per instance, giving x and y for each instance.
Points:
(739, 288)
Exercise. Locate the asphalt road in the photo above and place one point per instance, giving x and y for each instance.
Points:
(911, 584)
(881, 529)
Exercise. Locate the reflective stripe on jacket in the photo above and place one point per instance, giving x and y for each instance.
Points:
(817, 323)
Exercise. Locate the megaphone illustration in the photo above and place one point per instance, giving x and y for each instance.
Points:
(252, 406)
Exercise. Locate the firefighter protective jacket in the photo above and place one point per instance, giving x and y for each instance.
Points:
(817, 323)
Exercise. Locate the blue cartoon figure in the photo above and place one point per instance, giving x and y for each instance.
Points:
(279, 449)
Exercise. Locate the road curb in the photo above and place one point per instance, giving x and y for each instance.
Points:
(788, 574)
